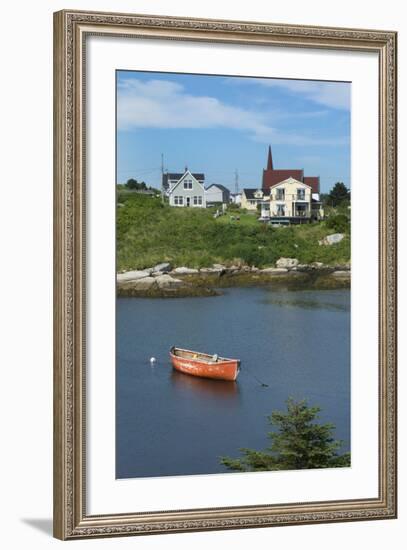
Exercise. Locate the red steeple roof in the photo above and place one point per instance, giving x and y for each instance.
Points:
(270, 160)
(273, 177)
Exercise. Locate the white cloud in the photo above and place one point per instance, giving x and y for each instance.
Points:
(330, 94)
(166, 104)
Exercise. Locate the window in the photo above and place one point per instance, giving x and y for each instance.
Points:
(280, 194)
(178, 201)
(195, 201)
(187, 184)
(280, 210)
(200, 200)
(300, 194)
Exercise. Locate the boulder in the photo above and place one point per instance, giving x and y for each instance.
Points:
(219, 267)
(341, 274)
(344, 267)
(332, 239)
(274, 270)
(166, 281)
(164, 267)
(214, 270)
(132, 276)
(185, 271)
(143, 284)
(287, 262)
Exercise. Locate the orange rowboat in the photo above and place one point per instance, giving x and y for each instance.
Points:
(204, 365)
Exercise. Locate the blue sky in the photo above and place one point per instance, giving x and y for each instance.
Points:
(220, 124)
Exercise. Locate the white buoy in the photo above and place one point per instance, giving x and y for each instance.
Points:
(152, 360)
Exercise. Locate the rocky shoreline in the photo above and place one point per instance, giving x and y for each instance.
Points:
(164, 281)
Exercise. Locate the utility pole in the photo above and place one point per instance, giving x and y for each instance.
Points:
(236, 182)
(162, 178)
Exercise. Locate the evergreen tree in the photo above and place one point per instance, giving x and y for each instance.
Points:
(339, 194)
(132, 184)
(299, 443)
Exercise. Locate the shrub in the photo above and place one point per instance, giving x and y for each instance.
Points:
(339, 223)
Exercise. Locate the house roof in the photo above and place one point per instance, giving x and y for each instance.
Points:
(183, 176)
(177, 176)
(290, 180)
(313, 182)
(219, 186)
(273, 177)
(250, 193)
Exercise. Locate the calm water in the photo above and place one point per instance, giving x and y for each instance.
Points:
(297, 342)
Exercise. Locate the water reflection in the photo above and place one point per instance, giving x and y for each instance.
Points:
(205, 387)
(306, 300)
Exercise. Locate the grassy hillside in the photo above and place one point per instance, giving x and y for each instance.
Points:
(149, 232)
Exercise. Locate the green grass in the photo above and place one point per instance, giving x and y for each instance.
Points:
(149, 232)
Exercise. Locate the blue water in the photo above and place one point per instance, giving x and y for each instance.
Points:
(168, 423)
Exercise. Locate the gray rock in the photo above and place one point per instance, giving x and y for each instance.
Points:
(162, 268)
(132, 275)
(332, 239)
(341, 274)
(219, 267)
(143, 284)
(166, 281)
(185, 271)
(211, 270)
(233, 269)
(274, 270)
(287, 262)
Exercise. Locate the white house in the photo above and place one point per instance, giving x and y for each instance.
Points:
(187, 191)
(217, 194)
(289, 200)
(251, 198)
(236, 198)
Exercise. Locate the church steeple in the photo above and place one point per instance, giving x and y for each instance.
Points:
(269, 160)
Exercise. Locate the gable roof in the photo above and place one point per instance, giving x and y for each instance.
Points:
(177, 176)
(250, 193)
(272, 177)
(188, 173)
(219, 186)
(293, 181)
(313, 182)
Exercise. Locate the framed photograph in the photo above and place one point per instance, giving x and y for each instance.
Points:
(225, 274)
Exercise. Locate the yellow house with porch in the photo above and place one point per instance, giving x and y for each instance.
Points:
(290, 201)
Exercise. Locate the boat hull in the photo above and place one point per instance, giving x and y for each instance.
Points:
(220, 370)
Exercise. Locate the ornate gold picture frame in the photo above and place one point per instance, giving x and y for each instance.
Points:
(71, 31)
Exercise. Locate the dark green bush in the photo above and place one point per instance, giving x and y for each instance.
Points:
(339, 223)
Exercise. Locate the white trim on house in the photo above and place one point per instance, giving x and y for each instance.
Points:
(190, 194)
